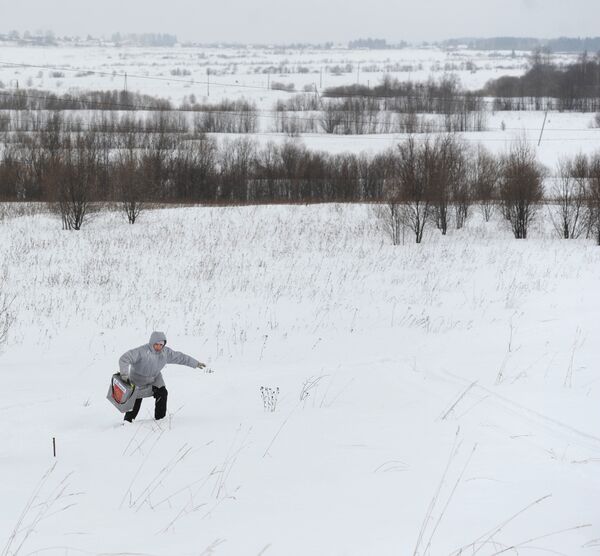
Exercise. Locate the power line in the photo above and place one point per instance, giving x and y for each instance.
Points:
(454, 99)
(150, 77)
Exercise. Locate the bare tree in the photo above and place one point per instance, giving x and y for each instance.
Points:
(72, 180)
(594, 197)
(462, 197)
(484, 174)
(237, 161)
(129, 185)
(392, 216)
(12, 170)
(569, 196)
(331, 117)
(521, 187)
(412, 183)
(447, 168)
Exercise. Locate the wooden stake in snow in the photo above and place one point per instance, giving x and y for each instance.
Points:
(54, 446)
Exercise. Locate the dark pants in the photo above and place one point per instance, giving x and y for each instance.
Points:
(160, 406)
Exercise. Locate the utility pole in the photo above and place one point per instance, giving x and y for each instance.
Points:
(207, 82)
(543, 125)
(125, 84)
(358, 73)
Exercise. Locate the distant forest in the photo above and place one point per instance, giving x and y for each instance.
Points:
(374, 44)
(561, 44)
(48, 38)
(574, 87)
(544, 86)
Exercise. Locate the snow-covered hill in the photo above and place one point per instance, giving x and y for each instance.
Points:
(434, 399)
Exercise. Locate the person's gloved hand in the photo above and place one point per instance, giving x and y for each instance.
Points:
(206, 369)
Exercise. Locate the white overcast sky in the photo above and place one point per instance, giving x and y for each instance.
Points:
(284, 21)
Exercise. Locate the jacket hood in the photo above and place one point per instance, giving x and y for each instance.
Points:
(157, 337)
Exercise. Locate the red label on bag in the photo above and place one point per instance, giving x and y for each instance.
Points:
(119, 391)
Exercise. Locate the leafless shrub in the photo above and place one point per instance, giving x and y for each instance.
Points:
(72, 181)
(446, 168)
(593, 198)
(303, 102)
(295, 124)
(180, 72)
(521, 187)
(236, 163)
(331, 118)
(484, 180)
(392, 216)
(269, 398)
(567, 209)
(411, 184)
(129, 185)
(278, 86)
(226, 117)
(462, 197)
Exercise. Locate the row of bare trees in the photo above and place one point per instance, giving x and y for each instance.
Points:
(576, 197)
(438, 180)
(430, 179)
(346, 117)
(547, 86)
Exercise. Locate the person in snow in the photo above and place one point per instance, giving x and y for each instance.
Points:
(142, 367)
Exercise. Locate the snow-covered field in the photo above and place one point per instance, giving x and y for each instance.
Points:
(434, 399)
(438, 399)
(243, 72)
(246, 73)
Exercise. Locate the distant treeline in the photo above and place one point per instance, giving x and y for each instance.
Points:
(48, 38)
(574, 87)
(433, 179)
(144, 39)
(113, 112)
(561, 44)
(36, 99)
(545, 85)
(166, 167)
(374, 44)
(432, 96)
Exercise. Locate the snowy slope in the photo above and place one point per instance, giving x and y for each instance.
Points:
(432, 397)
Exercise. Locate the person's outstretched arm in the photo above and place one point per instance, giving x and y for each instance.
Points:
(178, 358)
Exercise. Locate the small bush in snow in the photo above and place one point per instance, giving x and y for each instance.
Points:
(269, 397)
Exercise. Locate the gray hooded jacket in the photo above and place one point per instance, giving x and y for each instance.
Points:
(142, 365)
